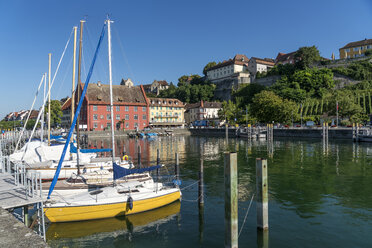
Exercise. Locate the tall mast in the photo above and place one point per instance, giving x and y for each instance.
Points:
(49, 73)
(110, 81)
(78, 94)
(43, 110)
(73, 80)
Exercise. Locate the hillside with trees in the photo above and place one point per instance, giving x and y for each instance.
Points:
(306, 91)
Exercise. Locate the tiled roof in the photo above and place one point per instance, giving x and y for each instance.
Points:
(239, 59)
(166, 102)
(265, 61)
(121, 93)
(162, 82)
(358, 43)
(281, 57)
(204, 104)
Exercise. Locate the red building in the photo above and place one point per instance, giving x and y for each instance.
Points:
(131, 107)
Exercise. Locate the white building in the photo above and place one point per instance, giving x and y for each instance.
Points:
(202, 110)
(256, 65)
(232, 69)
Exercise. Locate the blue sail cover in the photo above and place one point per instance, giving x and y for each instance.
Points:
(58, 170)
(73, 149)
(120, 172)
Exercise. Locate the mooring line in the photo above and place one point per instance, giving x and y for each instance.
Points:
(246, 214)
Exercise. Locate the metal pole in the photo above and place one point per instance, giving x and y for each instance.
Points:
(108, 21)
(337, 113)
(231, 200)
(262, 194)
(177, 168)
(49, 77)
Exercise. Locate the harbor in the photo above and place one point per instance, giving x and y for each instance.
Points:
(131, 125)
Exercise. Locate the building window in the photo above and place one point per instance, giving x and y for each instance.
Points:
(117, 117)
(101, 126)
(136, 117)
(127, 108)
(108, 117)
(108, 124)
(95, 108)
(143, 109)
(127, 117)
(95, 117)
(95, 125)
(108, 108)
(144, 117)
(117, 108)
(102, 117)
(135, 124)
(135, 109)
(144, 124)
(356, 49)
(347, 50)
(127, 125)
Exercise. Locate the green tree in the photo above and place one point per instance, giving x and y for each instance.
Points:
(247, 92)
(55, 112)
(268, 107)
(306, 56)
(209, 65)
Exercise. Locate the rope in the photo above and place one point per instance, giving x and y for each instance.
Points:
(246, 214)
(28, 116)
(197, 199)
(190, 185)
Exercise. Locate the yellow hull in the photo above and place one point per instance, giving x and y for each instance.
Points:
(100, 211)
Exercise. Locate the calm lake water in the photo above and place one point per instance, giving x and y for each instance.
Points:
(319, 196)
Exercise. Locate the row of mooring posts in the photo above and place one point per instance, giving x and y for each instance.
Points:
(231, 201)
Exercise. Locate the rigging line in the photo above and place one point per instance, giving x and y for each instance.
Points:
(124, 55)
(245, 217)
(100, 62)
(28, 116)
(45, 100)
(57, 96)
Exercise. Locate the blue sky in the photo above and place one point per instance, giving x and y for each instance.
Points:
(162, 40)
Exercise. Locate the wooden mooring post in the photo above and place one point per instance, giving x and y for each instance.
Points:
(201, 180)
(262, 194)
(231, 199)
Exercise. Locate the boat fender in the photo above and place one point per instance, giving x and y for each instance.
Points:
(85, 170)
(130, 202)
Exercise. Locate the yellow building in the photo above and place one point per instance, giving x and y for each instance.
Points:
(166, 112)
(355, 49)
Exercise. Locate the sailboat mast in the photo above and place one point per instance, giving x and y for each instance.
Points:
(73, 79)
(78, 95)
(43, 110)
(110, 81)
(49, 74)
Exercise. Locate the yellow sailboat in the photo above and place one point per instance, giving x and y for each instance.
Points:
(122, 199)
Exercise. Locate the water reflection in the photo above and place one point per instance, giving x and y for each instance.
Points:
(318, 187)
(112, 227)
